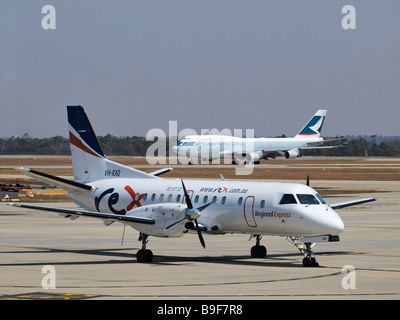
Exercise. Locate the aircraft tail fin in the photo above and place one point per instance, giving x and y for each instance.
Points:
(314, 126)
(88, 160)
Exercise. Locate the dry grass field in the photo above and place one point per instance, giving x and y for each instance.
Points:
(317, 168)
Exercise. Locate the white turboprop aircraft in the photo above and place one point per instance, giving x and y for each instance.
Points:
(165, 208)
(210, 147)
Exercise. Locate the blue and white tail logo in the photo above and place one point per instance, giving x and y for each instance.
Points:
(88, 160)
(314, 126)
(81, 133)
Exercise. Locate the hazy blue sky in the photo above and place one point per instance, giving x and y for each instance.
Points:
(237, 64)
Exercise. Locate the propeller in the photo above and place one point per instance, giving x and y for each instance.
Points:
(308, 181)
(191, 214)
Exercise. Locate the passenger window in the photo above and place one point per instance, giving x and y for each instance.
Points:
(240, 201)
(262, 204)
(223, 200)
(145, 197)
(153, 197)
(161, 197)
(170, 198)
(288, 199)
(307, 199)
(205, 199)
(178, 198)
(196, 199)
(214, 200)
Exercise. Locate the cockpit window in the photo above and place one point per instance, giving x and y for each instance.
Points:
(186, 144)
(307, 199)
(287, 199)
(320, 199)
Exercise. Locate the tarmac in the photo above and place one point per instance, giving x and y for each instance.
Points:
(90, 261)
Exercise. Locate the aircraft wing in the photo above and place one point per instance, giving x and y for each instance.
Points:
(345, 204)
(324, 144)
(331, 143)
(73, 214)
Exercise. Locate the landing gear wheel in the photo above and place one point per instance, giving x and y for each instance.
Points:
(310, 262)
(258, 252)
(144, 256)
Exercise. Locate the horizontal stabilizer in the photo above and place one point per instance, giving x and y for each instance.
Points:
(160, 172)
(53, 180)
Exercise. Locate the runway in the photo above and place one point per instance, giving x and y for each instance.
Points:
(91, 263)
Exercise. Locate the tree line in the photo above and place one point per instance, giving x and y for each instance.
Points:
(111, 145)
(362, 147)
(137, 146)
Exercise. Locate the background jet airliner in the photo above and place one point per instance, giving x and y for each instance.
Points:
(210, 147)
(161, 207)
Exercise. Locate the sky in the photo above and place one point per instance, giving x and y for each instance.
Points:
(255, 64)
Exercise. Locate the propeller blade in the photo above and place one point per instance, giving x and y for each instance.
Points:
(308, 181)
(205, 206)
(199, 234)
(175, 223)
(187, 197)
(192, 215)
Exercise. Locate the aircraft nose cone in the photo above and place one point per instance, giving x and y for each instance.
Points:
(335, 225)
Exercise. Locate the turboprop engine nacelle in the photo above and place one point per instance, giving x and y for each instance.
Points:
(164, 215)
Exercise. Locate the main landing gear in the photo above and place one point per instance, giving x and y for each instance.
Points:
(144, 255)
(258, 251)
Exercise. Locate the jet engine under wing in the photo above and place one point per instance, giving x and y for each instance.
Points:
(90, 214)
(350, 203)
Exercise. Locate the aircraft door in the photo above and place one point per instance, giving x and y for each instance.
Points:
(190, 193)
(249, 211)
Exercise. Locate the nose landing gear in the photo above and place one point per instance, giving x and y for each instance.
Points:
(309, 259)
(306, 249)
